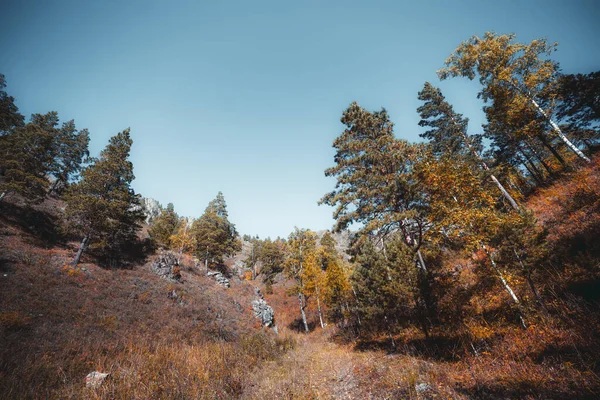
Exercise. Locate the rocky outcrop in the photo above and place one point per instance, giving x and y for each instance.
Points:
(166, 266)
(220, 278)
(263, 311)
(151, 208)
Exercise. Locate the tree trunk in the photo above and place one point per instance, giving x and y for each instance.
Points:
(535, 177)
(527, 274)
(540, 158)
(555, 153)
(82, 247)
(530, 166)
(302, 306)
(319, 310)
(421, 261)
(559, 132)
(484, 165)
(505, 193)
(507, 287)
(206, 261)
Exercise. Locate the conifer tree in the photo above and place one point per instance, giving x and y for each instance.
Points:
(27, 157)
(102, 206)
(385, 286)
(272, 258)
(337, 285)
(70, 151)
(164, 227)
(38, 151)
(522, 69)
(448, 133)
(579, 106)
(215, 236)
(10, 117)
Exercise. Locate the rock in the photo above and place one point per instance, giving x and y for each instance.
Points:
(263, 311)
(94, 379)
(166, 266)
(219, 277)
(151, 208)
(422, 388)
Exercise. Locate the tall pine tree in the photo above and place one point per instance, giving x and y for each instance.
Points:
(102, 206)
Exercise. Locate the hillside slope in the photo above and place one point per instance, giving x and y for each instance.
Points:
(193, 339)
(157, 338)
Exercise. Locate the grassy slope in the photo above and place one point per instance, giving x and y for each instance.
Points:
(56, 325)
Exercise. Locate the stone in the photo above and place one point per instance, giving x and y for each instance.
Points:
(166, 266)
(94, 379)
(422, 388)
(151, 208)
(263, 311)
(219, 277)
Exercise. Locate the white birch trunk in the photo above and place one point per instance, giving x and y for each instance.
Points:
(301, 301)
(319, 310)
(559, 132)
(507, 287)
(421, 261)
(484, 165)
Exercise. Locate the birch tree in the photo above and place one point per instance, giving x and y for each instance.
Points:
(448, 133)
(300, 246)
(523, 69)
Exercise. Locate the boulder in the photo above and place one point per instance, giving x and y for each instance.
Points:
(94, 379)
(219, 277)
(166, 266)
(422, 388)
(263, 311)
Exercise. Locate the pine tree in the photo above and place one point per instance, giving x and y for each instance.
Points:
(10, 118)
(386, 286)
(70, 151)
(38, 151)
(164, 227)
(272, 258)
(102, 206)
(448, 133)
(27, 157)
(215, 236)
(579, 105)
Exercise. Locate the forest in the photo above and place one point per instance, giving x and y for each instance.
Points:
(472, 261)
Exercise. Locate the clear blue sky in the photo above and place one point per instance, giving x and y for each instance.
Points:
(245, 97)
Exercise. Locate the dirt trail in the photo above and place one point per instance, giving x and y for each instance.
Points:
(315, 368)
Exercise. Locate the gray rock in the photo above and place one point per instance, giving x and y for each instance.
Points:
(166, 266)
(94, 379)
(263, 311)
(151, 208)
(422, 388)
(219, 277)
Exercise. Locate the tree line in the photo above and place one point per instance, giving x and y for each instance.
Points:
(41, 158)
(457, 195)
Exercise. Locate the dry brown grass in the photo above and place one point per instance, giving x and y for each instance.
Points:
(57, 324)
